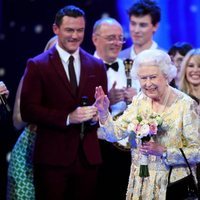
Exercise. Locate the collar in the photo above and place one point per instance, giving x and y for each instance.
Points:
(133, 54)
(97, 56)
(64, 55)
(114, 65)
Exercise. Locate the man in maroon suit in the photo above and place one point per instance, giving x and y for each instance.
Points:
(67, 154)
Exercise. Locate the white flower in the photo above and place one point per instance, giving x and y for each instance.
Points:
(143, 131)
(132, 126)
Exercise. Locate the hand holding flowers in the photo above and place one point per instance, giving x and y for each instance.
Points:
(145, 127)
(152, 148)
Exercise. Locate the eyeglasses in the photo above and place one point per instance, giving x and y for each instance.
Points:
(113, 38)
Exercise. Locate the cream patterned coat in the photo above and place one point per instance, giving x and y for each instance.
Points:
(181, 126)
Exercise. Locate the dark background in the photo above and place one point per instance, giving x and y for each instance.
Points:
(26, 26)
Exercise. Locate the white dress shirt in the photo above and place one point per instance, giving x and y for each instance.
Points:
(64, 56)
(133, 54)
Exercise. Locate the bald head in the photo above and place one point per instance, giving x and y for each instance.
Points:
(108, 39)
(105, 21)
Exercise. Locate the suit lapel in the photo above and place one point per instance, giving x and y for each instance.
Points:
(84, 72)
(58, 67)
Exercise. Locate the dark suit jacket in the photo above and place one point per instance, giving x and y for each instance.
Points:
(46, 100)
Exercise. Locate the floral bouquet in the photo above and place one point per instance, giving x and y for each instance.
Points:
(144, 128)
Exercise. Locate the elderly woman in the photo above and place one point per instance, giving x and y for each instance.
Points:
(159, 121)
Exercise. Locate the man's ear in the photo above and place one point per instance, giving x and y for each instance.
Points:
(155, 27)
(94, 39)
(55, 29)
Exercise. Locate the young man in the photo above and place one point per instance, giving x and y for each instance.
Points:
(56, 85)
(144, 19)
(108, 39)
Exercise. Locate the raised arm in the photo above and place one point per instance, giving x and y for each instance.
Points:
(102, 103)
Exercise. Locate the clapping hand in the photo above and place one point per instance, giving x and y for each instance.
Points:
(129, 93)
(115, 95)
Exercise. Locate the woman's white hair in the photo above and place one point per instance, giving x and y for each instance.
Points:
(155, 57)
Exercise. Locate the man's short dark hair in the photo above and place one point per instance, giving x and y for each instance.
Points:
(146, 7)
(71, 11)
(180, 47)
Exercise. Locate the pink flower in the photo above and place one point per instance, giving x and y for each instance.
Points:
(153, 129)
(138, 127)
(144, 131)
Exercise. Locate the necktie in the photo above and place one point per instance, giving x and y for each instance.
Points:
(72, 75)
(114, 66)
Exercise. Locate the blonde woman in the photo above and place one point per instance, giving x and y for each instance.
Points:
(190, 75)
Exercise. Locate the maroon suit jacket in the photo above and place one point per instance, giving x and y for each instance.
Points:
(46, 100)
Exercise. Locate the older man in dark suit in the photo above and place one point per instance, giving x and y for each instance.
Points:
(56, 85)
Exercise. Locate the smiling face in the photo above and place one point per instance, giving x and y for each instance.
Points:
(153, 82)
(108, 41)
(193, 71)
(70, 33)
(142, 30)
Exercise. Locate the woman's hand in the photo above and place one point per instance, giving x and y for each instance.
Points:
(152, 148)
(102, 103)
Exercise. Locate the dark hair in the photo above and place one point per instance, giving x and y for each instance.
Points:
(180, 47)
(146, 7)
(71, 11)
